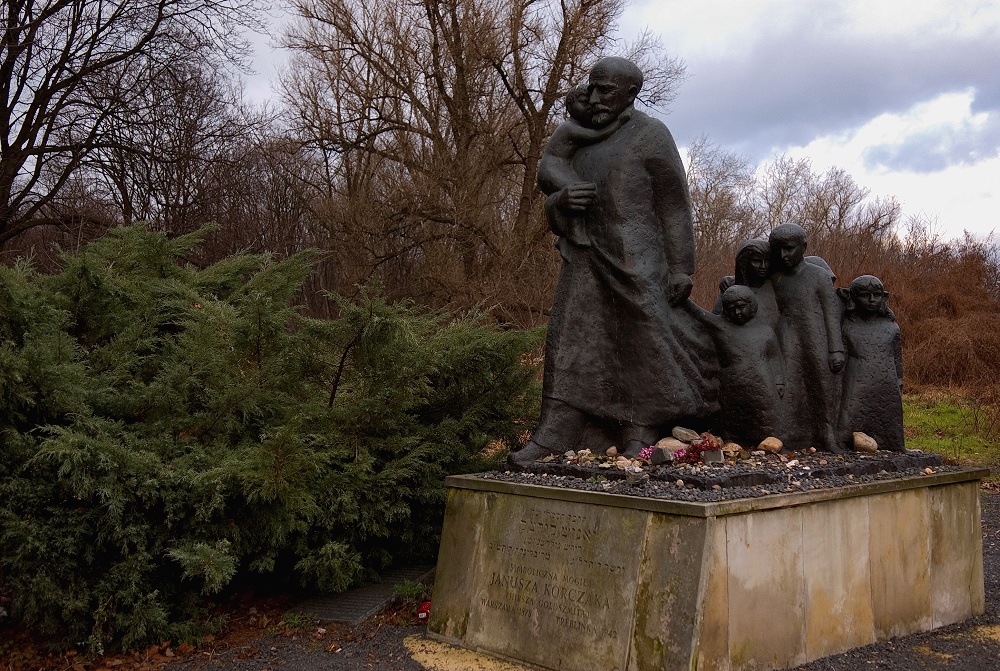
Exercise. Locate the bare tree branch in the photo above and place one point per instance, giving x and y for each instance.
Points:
(72, 70)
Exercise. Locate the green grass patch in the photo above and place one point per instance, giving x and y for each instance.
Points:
(956, 427)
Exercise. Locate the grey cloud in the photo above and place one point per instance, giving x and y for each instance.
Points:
(936, 149)
(987, 100)
(793, 88)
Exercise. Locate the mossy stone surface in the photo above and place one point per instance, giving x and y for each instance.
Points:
(572, 580)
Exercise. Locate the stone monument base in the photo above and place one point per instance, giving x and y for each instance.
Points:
(577, 581)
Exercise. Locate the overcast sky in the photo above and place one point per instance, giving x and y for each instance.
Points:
(902, 94)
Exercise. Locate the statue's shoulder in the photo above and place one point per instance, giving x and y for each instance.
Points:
(650, 126)
(816, 273)
(651, 137)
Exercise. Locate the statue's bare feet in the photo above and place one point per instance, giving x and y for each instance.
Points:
(633, 448)
(833, 447)
(528, 454)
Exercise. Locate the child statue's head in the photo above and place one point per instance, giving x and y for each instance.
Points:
(868, 297)
(739, 304)
(578, 105)
(753, 262)
(788, 246)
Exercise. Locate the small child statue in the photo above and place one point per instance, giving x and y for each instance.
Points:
(753, 269)
(872, 400)
(752, 374)
(555, 169)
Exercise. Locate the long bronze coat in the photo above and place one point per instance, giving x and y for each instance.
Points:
(616, 349)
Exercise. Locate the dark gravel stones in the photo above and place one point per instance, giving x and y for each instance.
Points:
(759, 475)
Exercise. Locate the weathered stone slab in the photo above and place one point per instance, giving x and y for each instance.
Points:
(458, 557)
(766, 590)
(900, 562)
(956, 553)
(550, 581)
(574, 580)
(837, 577)
(712, 652)
(670, 587)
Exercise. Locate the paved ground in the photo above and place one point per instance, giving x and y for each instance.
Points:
(357, 605)
(380, 645)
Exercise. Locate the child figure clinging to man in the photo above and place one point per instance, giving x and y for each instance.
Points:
(555, 169)
(752, 373)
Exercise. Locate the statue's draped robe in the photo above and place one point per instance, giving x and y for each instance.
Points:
(808, 331)
(872, 401)
(752, 367)
(616, 349)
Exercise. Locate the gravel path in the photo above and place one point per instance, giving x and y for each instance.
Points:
(973, 645)
(377, 647)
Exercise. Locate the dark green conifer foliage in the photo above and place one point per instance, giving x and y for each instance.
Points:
(165, 428)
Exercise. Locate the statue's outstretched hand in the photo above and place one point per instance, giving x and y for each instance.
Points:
(678, 288)
(577, 197)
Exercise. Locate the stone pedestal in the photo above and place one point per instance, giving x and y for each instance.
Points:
(576, 581)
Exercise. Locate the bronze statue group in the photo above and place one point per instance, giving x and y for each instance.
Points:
(628, 355)
(799, 359)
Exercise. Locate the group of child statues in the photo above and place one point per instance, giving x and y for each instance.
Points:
(801, 360)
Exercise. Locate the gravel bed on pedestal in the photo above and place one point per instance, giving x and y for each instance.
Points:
(759, 475)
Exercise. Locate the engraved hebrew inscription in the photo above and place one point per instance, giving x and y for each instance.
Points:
(555, 566)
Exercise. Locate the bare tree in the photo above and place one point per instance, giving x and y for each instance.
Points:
(427, 120)
(72, 71)
(726, 212)
(849, 228)
(734, 201)
(167, 158)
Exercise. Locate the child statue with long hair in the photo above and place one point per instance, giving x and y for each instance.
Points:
(872, 400)
(753, 269)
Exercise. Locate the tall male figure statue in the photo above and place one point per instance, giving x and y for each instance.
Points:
(810, 338)
(621, 353)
